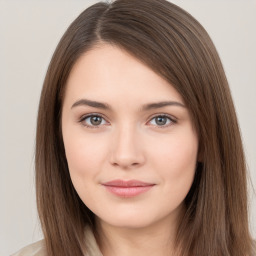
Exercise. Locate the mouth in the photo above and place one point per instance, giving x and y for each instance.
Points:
(130, 188)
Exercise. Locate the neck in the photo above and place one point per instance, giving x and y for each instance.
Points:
(157, 239)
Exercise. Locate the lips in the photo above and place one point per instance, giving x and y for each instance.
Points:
(130, 188)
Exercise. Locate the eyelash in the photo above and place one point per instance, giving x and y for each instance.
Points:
(83, 118)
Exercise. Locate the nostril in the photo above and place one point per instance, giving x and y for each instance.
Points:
(127, 163)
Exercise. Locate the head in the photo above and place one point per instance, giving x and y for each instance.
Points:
(173, 47)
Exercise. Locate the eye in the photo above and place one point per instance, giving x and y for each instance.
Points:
(93, 121)
(162, 121)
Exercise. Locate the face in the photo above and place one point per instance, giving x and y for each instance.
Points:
(129, 140)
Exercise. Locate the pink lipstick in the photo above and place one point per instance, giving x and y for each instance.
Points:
(130, 188)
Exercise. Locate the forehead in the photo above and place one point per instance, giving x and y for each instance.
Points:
(112, 74)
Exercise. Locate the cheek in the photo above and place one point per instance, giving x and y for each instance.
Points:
(176, 158)
(83, 154)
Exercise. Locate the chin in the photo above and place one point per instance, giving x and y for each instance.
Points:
(132, 220)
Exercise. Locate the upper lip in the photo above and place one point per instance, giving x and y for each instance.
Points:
(128, 183)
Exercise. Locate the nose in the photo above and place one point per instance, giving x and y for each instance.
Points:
(127, 148)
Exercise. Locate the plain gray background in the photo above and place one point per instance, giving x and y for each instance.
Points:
(30, 31)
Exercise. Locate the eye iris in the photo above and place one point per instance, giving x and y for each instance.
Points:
(161, 120)
(96, 120)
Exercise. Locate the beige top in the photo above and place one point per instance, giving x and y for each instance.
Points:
(38, 249)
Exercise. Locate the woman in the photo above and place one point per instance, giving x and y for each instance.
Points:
(138, 150)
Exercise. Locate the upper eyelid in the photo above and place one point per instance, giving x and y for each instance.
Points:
(83, 117)
(165, 115)
(103, 116)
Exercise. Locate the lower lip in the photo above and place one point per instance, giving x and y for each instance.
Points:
(128, 191)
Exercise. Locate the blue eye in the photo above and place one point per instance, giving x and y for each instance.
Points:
(162, 121)
(93, 121)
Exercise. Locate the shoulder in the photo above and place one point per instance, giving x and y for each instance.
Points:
(35, 249)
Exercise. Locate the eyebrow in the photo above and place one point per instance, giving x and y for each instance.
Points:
(161, 105)
(145, 107)
(91, 103)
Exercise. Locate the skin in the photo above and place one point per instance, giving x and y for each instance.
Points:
(128, 143)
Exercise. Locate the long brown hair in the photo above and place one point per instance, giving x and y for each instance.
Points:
(173, 44)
